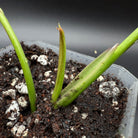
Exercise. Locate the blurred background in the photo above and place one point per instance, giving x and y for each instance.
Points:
(88, 25)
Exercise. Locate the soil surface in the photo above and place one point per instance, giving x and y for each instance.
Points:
(96, 113)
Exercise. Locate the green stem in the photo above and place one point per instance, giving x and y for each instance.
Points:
(92, 65)
(94, 70)
(61, 65)
(23, 60)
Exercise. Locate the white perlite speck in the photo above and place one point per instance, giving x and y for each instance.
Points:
(10, 123)
(67, 71)
(48, 80)
(122, 136)
(116, 108)
(14, 81)
(42, 59)
(21, 72)
(109, 89)
(44, 99)
(52, 91)
(34, 57)
(13, 110)
(18, 130)
(95, 52)
(22, 88)
(1, 67)
(75, 109)
(100, 78)
(22, 102)
(114, 103)
(73, 69)
(47, 73)
(36, 121)
(10, 92)
(55, 69)
(72, 128)
(52, 82)
(16, 69)
(25, 133)
(65, 76)
(72, 76)
(83, 136)
(84, 115)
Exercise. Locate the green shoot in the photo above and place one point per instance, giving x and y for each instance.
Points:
(61, 65)
(22, 59)
(94, 70)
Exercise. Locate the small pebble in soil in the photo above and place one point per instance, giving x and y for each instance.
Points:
(1, 67)
(10, 92)
(16, 69)
(22, 102)
(22, 88)
(52, 92)
(42, 59)
(47, 73)
(55, 69)
(34, 57)
(10, 59)
(122, 136)
(109, 89)
(75, 109)
(14, 81)
(65, 76)
(44, 99)
(84, 115)
(52, 82)
(72, 128)
(95, 51)
(21, 72)
(18, 130)
(100, 78)
(13, 110)
(114, 102)
(48, 80)
(73, 69)
(116, 108)
(72, 76)
(36, 121)
(10, 123)
(25, 133)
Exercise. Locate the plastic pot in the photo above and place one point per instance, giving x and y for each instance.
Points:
(129, 81)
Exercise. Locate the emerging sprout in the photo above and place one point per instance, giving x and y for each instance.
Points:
(61, 65)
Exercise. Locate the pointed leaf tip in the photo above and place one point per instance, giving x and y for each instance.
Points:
(1, 11)
(59, 28)
(115, 46)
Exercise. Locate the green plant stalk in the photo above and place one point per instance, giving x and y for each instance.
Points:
(92, 71)
(92, 65)
(61, 65)
(83, 80)
(23, 60)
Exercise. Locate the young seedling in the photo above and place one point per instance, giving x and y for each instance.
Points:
(81, 81)
(94, 70)
(22, 59)
(61, 65)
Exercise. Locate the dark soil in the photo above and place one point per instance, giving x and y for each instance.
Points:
(91, 115)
